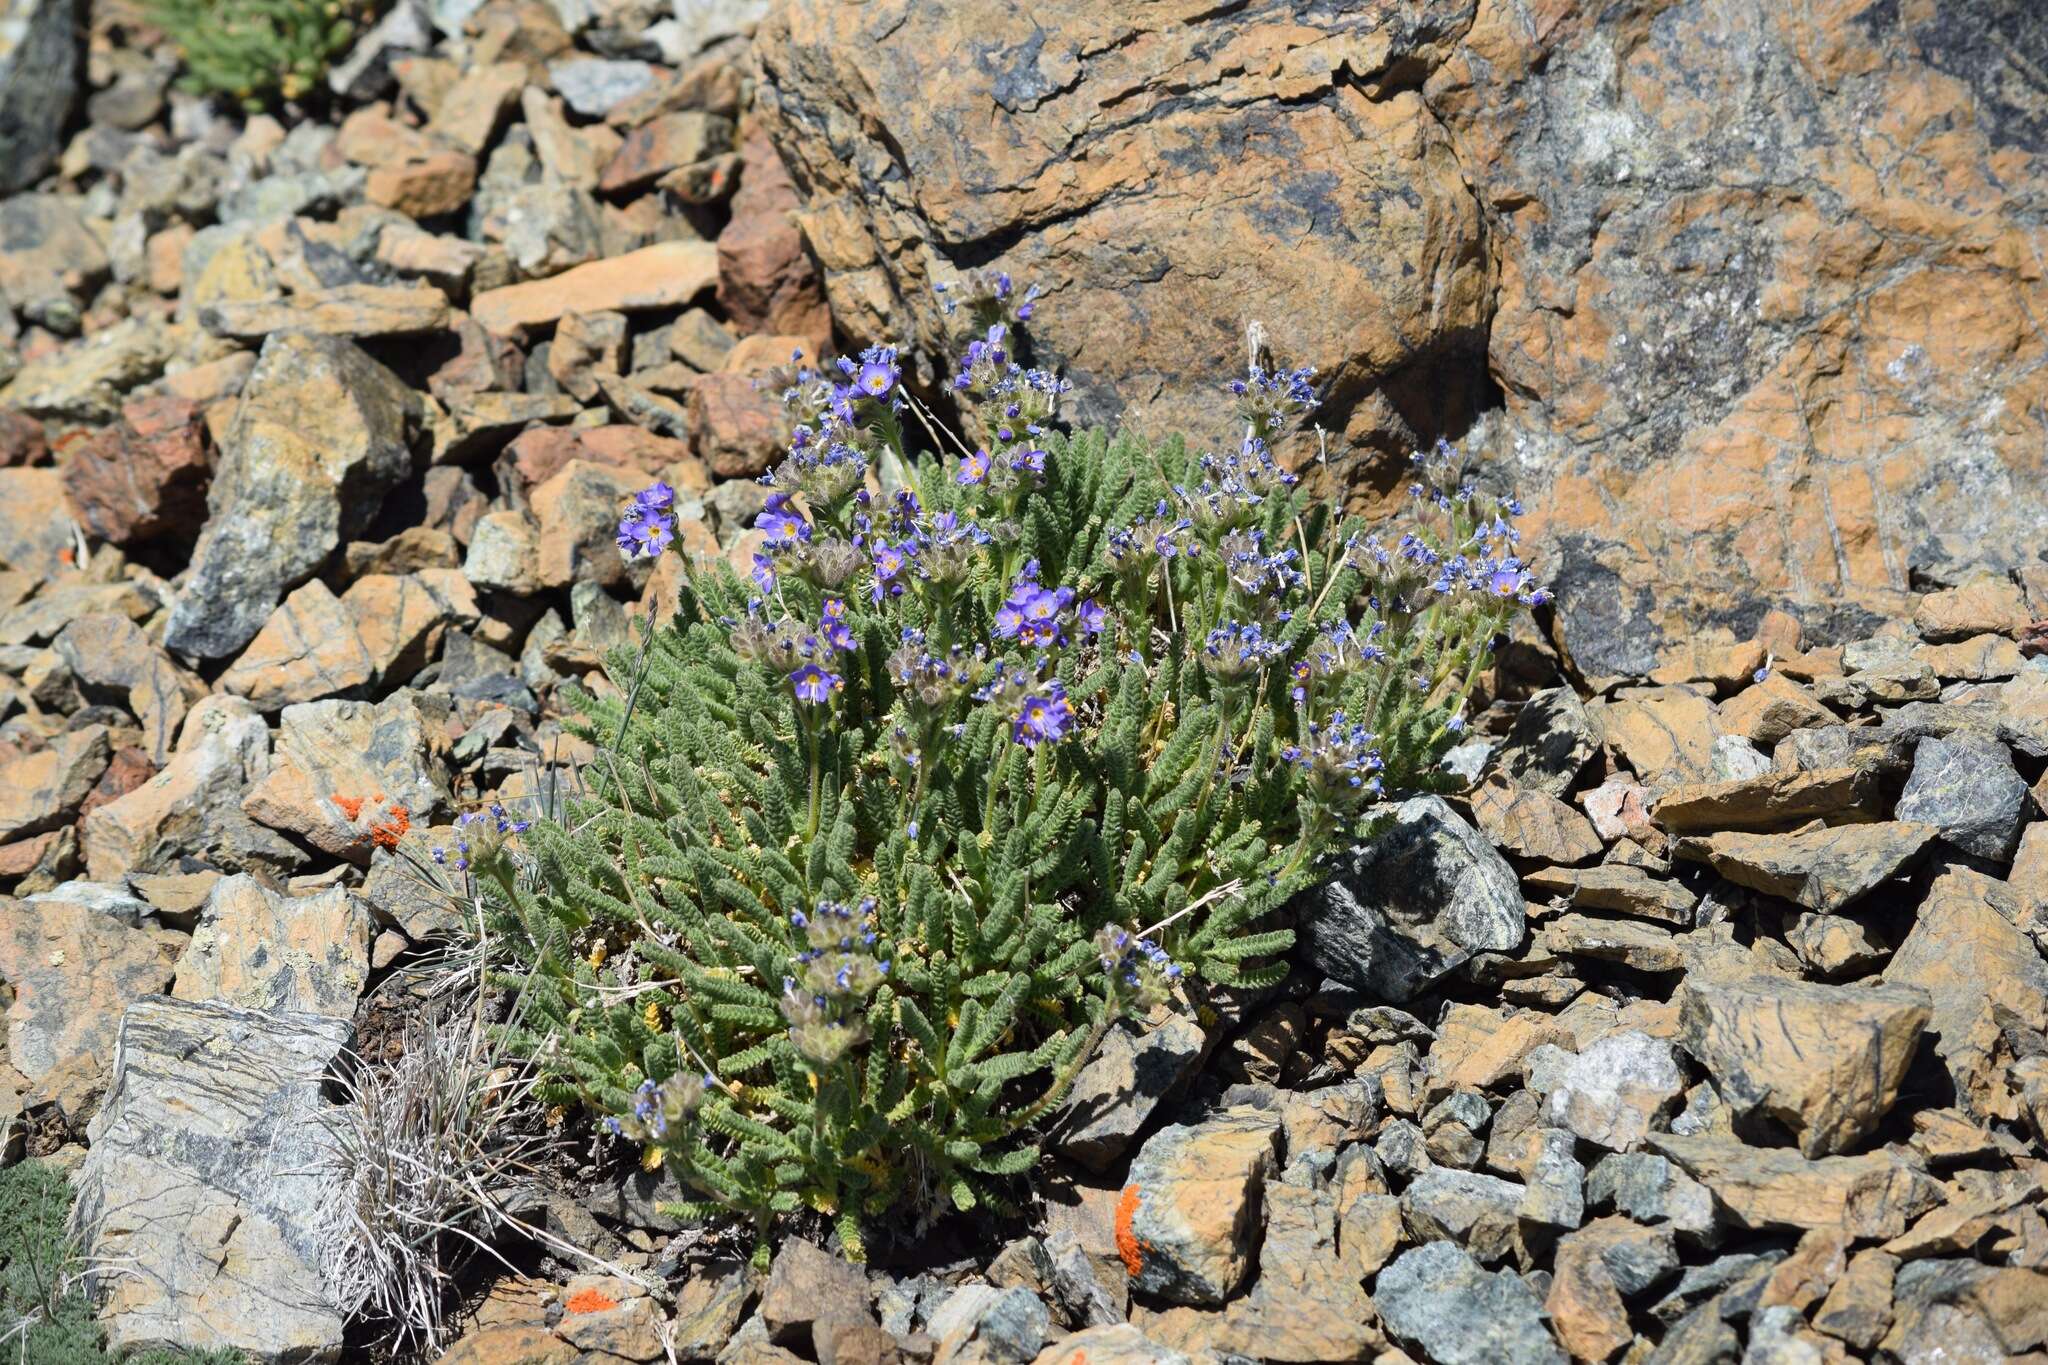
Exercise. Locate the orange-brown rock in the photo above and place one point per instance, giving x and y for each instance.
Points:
(766, 278)
(143, 478)
(665, 275)
(308, 649)
(427, 186)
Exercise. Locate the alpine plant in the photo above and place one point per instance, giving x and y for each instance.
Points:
(997, 743)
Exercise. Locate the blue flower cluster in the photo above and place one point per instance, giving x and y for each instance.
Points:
(660, 1105)
(840, 971)
(648, 526)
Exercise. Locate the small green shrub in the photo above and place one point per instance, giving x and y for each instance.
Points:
(45, 1317)
(259, 50)
(881, 841)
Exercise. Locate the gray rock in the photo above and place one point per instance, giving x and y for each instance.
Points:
(593, 86)
(1419, 899)
(1735, 1280)
(697, 24)
(1482, 1213)
(1615, 1091)
(1968, 789)
(115, 902)
(208, 1171)
(1469, 760)
(1117, 1092)
(260, 950)
(1553, 739)
(1082, 1294)
(1557, 1182)
(38, 85)
(982, 1325)
(47, 248)
(1402, 1148)
(365, 73)
(1651, 1189)
(1736, 759)
(1440, 1299)
(318, 439)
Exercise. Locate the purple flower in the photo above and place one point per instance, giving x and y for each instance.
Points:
(1043, 716)
(834, 628)
(815, 685)
(781, 525)
(875, 378)
(644, 533)
(1092, 615)
(974, 468)
(656, 497)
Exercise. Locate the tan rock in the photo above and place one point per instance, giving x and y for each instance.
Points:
(35, 535)
(1644, 947)
(309, 649)
(585, 344)
(578, 512)
(1768, 711)
(1772, 800)
(664, 144)
(1533, 824)
(73, 969)
(504, 553)
(511, 1344)
(446, 262)
(400, 618)
(347, 310)
(1835, 946)
(109, 654)
(223, 746)
(1876, 1195)
(414, 548)
(1186, 1220)
(41, 789)
(1666, 735)
(1980, 658)
(1980, 971)
(1725, 664)
(259, 950)
(1585, 1304)
(1824, 1061)
(1823, 870)
(1858, 1308)
(1986, 604)
(339, 763)
(1118, 1344)
(468, 116)
(428, 186)
(1619, 888)
(665, 275)
(573, 155)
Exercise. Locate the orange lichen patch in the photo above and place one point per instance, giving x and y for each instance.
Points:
(1127, 1244)
(349, 806)
(387, 832)
(590, 1301)
(67, 555)
(377, 798)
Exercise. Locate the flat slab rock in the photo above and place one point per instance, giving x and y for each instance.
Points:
(198, 1197)
(1824, 869)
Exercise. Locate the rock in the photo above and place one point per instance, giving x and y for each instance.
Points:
(982, 1325)
(1186, 1222)
(504, 554)
(806, 1287)
(1428, 890)
(1613, 1093)
(511, 1344)
(1968, 789)
(22, 441)
(1825, 869)
(1871, 1196)
(620, 1321)
(1119, 1089)
(348, 310)
(867, 113)
(1643, 947)
(1594, 1267)
(1981, 658)
(469, 114)
(2023, 711)
(307, 650)
(1552, 741)
(1479, 1212)
(739, 425)
(1835, 946)
(193, 805)
(1113, 1344)
(663, 144)
(1649, 1189)
(41, 789)
(39, 52)
(1770, 800)
(145, 478)
(1983, 976)
(258, 950)
(593, 86)
(73, 969)
(1824, 1061)
(349, 777)
(319, 437)
(1772, 709)
(115, 662)
(665, 275)
(401, 618)
(1858, 1309)
(86, 382)
(1533, 824)
(1666, 735)
(578, 512)
(767, 280)
(1620, 888)
(1803, 1278)
(1439, 1298)
(1985, 604)
(207, 1176)
(429, 186)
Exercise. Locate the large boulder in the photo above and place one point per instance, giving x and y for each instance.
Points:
(1169, 172)
(1659, 258)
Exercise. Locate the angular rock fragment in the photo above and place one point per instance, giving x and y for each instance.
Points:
(1876, 1195)
(350, 777)
(208, 1174)
(256, 949)
(1438, 1297)
(1824, 1061)
(1614, 1093)
(1968, 789)
(1118, 1090)
(1770, 800)
(1187, 1222)
(1533, 824)
(1823, 870)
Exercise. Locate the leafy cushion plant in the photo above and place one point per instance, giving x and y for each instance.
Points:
(883, 837)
